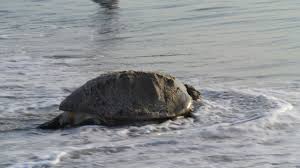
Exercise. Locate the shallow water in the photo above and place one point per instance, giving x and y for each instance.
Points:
(242, 55)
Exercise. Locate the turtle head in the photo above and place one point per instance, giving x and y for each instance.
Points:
(195, 94)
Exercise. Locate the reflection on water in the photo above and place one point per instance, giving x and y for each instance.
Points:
(107, 28)
(108, 4)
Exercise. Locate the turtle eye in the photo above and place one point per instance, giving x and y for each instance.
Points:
(170, 82)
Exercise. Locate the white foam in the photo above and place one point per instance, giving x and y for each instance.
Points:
(230, 113)
(283, 108)
(43, 160)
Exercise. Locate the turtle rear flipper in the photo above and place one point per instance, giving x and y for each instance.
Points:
(195, 94)
(53, 124)
(71, 119)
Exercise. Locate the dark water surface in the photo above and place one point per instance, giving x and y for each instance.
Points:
(242, 55)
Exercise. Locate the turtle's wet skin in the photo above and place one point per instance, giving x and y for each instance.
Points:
(125, 97)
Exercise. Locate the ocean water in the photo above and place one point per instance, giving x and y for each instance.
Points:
(244, 56)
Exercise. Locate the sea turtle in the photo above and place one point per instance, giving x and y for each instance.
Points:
(125, 97)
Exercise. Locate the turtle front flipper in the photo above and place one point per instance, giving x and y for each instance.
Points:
(195, 94)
